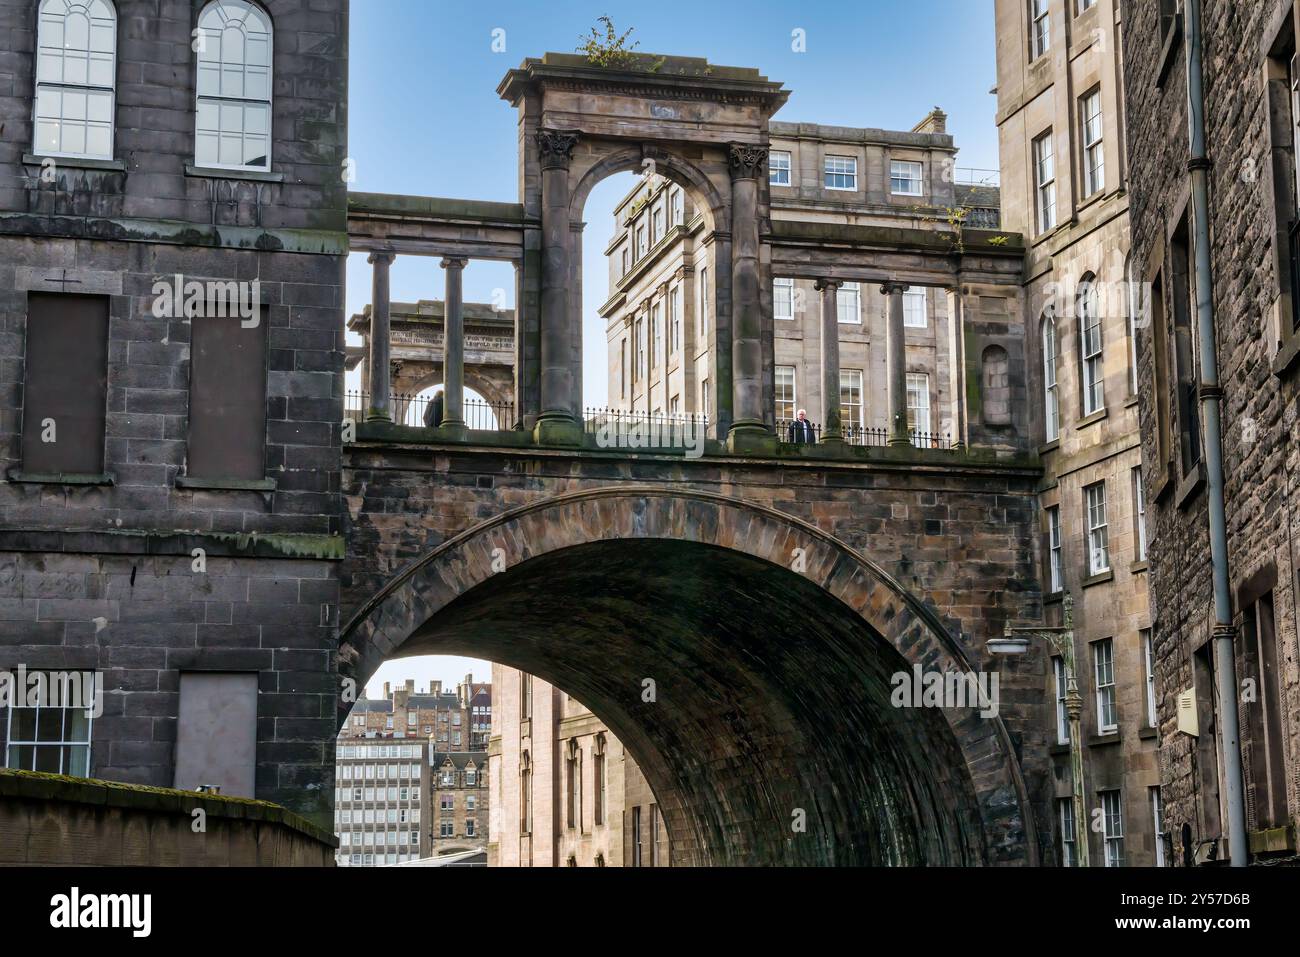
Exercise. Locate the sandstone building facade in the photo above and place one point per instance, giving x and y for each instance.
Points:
(1250, 114)
(564, 790)
(1065, 186)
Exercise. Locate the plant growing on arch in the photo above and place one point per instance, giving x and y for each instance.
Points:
(610, 51)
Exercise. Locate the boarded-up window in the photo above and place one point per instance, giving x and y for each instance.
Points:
(227, 398)
(997, 386)
(216, 735)
(66, 382)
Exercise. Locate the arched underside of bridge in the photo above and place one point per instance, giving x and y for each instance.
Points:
(772, 685)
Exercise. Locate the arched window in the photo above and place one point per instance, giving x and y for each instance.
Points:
(232, 128)
(1090, 358)
(75, 76)
(1051, 400)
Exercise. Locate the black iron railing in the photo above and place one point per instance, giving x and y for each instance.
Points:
(645, 429)
(411, 409)
(858, 435)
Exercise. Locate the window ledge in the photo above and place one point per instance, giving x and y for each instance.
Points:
(1092, 419)
(1098, 579)
(1148, 734)
(226, 484)
(74, 162)
(60, 478)
(1130, 402)
(1102, 739)
(1190, 486)
(1057, 750)
(255, 175)
(1051, 446)
(1138, 567)
(1053, 598)
(1287, 353)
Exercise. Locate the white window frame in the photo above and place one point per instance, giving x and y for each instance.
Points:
(840, 169)
(1051, 390)
(675, 317)
(1055, 566)
(1103, 671)
(786, 405)
(918, 404)
(848, 302)
(702, 303)
(783, 298)
(97, 56)
(851, 382)
(1062, 715)
(1044, 161)
(222, 100)
(1091, 348)
(1149, 666)
(1092, 134)
(47, 704)
(1098, 529)
(916, 308)
(677, 207)
(779, 165)
(1112, 813)
(1139, 514)
(1065, 819)
(1040, 28)
(900, 177)
(642, 241)
(1158, 824)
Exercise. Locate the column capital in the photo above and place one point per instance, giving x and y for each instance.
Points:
(454, 262)
(891, 287)
(746, 160)
(821, 284)
(556, 147)
(385, 256)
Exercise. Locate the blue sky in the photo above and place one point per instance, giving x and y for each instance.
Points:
(425, 118)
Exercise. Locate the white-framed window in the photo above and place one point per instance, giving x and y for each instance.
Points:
(851, 407)
(675, 317)
(1045, 182)
(702, 303)
(627, 260)
(657, 224)
(1055, 569)
(76, 73)
(447, 829)
(53, 735)
(657, 347)
(677, 203)
(706, 400)
(786, 401)
(918, 403)
(1085, 5)
(783, 298)
(905, 178)
(232, 127)
(1103, 664)
(1062, 715)
(1094, 158)
(841, 172)
(1158, 825)
(916, 309)
(642, 242)
(1051, 394)
(1040, 28)
(1112, 813)
(1094, 396)
(1139, 515)
(1149, 668)
(848, 304)
(1098, 536)
(1065, 819)
(469, 827)
(778, 168)
(640, 372)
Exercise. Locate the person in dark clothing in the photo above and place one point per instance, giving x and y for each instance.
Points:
(433, 412)
(801, 430)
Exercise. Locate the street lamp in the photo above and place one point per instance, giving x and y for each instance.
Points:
(1015, 640)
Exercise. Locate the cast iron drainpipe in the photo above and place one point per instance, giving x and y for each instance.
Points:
(1211, 394)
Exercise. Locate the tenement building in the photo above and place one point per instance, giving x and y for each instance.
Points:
(459, 810)
(173, 225)
(660, 282)
(564, 791)
(1065, 187)
(1214, 215)
(446, 718)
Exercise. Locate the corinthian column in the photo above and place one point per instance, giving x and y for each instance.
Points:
(747, 164)
(558, 421)
(896, 358)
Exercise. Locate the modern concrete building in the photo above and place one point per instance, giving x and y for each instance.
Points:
(1219, 383)
(1065, 186)
(657, 313)
(382, 811)
(564, 791)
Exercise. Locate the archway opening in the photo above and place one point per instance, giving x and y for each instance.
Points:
(757, 705)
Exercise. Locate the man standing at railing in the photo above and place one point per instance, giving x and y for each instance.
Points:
(433, 412)
(801, 430)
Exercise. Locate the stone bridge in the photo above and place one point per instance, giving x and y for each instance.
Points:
(770, 601)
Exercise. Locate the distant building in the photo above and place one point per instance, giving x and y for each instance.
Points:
(411, 778)
(563, 791)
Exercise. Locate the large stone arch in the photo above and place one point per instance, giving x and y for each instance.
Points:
(877, 785)
(607, 157)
